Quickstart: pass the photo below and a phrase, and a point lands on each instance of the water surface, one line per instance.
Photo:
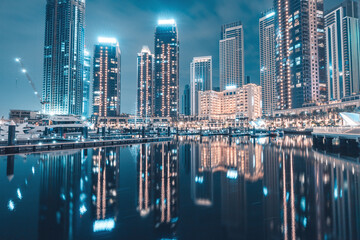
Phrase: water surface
(208, 188)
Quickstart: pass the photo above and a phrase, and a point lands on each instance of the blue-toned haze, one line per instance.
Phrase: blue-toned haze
(132, 22)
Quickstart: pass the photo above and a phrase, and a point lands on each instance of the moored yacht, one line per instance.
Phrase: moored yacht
(59, 124)
(53, 125)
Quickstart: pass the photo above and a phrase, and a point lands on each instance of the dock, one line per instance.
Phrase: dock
(338, 132)
(48, 147)
(337, 139)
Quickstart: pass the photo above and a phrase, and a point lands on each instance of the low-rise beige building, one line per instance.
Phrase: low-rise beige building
(244, 102)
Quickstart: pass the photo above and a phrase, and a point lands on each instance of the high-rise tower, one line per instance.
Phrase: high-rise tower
(267, 61)
(64, 57)
(166, 83)
(231, 56)
(145, 61)
(343, 50)
(106, 84)
(300, 53)
(87, 85)
(200, 80)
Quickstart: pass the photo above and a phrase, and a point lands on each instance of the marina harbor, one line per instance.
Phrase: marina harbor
(180, 119)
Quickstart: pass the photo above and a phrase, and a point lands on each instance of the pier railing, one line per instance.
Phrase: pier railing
(333, 129)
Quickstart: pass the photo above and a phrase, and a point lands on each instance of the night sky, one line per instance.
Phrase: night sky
(132, 22)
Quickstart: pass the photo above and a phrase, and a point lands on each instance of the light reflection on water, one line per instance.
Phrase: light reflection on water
(208, 188)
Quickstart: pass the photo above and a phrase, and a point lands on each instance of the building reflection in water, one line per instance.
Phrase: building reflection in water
(277, 188)
(202, 190)
(166, 168)
(10, 167)
(320, 193)
(105, 183)
(338, 191)
(59, 191)
(269, 189)
(78, 193)
(145, 172)
(240, 165)
(158, 170)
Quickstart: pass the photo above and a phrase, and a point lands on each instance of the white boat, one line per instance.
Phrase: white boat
(22, 132)
(54, 124)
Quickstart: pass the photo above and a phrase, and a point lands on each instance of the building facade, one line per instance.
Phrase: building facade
(87, 85)
(300, 53)
(267, 61)
(244, 103)
(107, 81)
(343, 50)
(145, 91)
(231, 55)
(186, 101)
(200, 80)
(166, 79)
(20, 116)
(64, 57)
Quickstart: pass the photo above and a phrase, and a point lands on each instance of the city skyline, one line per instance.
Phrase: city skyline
(200, 15)
(158, 119)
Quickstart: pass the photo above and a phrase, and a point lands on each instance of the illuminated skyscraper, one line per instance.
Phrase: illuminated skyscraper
(200, 80)
(343, 50)
(166, 102)
(107, 84)
(87, 85)
(267, 61)
(64, 57)
(232, 56)
(145, 61)
(300, 53)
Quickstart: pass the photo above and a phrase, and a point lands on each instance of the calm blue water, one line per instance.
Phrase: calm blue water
(211, 188)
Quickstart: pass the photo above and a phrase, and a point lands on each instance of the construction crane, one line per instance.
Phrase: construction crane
(42, 102)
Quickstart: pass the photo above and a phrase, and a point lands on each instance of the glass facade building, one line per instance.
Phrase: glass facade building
(145, 61)
(200, 80)
(107, 82)
(231, 47)
(343, 50)
(186, 101)
(300, 53)
(166, 83)
(87, 85)
(64, 57)
(267, 63)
